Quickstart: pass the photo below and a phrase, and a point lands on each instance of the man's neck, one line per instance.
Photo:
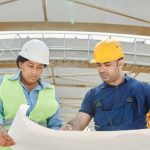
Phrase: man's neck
(118, 81)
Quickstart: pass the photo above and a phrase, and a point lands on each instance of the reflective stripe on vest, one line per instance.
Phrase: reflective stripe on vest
(8, 122)
(12, 96)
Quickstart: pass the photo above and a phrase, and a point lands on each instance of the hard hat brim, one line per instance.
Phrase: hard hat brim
(92, 61)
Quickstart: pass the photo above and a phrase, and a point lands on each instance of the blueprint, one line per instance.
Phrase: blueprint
(31, 136)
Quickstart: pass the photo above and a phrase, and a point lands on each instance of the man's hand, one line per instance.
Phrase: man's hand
(79, 123)
(5, 139)
(148, 119)
(67, 127)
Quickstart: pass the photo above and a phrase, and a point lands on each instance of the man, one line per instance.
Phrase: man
(26, 87)
(120, 102)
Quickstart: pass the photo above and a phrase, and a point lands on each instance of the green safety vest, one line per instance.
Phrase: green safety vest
(12, 96)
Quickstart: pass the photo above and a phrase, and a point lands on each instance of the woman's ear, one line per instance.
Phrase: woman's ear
(20, 65)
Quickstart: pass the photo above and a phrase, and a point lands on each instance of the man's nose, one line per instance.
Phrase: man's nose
(101, 69)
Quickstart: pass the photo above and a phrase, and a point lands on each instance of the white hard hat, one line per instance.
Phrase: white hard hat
(35, 50)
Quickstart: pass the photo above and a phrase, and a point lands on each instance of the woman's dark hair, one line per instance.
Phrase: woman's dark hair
(22, 60)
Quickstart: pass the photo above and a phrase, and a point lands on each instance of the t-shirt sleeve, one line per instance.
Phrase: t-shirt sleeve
(87, 104)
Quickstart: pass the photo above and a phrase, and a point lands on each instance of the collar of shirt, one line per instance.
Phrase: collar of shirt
(126, 80)
(42, 85)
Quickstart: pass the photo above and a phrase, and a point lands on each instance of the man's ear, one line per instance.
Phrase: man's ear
(120, 63)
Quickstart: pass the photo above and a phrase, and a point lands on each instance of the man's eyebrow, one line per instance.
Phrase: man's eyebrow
(106, 62)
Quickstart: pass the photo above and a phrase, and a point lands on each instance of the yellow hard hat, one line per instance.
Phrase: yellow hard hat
(107, 50)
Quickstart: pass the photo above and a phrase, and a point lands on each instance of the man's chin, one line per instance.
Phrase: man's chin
(105, 79)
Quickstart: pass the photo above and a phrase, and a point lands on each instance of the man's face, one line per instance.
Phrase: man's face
(109, 71)
(31, 71)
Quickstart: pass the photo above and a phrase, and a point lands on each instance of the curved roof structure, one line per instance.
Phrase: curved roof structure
(76, 15)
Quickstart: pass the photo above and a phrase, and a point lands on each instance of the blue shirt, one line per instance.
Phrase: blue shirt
(53, 122)
(119, 107)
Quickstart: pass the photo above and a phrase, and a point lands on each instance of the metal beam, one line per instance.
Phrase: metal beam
(81, 64)
(53, 74)
(66, 26)
(96, 6)
(6, 1)
(44, 2)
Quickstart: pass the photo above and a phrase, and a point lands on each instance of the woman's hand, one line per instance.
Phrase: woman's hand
(5, 139)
